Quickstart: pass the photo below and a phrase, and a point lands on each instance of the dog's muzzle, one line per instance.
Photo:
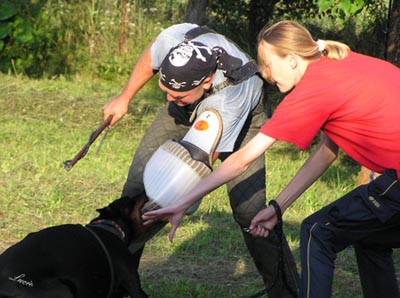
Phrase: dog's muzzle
(177, 166)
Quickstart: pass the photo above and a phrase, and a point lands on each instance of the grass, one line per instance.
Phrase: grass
(44, 122)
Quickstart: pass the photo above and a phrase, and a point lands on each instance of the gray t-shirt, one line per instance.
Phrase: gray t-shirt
(234, 102)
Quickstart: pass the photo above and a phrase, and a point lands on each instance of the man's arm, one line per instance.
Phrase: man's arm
(141, 74)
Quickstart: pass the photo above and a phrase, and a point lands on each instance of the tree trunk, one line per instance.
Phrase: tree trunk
(196, 12)
(393, 56)
(260, 13)
(393, 45)
(122, 28)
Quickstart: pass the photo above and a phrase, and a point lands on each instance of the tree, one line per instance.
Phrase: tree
(7, 11)
(393, 43)
(196, 12)
(259, 14)
(122, 27)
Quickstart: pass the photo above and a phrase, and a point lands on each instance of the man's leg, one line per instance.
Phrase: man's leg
(163, 128)
(247, 198)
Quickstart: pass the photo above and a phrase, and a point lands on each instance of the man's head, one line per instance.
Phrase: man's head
(186, 72)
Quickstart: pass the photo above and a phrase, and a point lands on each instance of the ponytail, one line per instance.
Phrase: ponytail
(290, 37)
(334, 49)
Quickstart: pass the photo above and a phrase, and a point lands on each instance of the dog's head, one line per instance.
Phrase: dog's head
(126, 212)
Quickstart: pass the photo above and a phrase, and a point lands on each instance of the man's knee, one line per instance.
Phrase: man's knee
(243, 213)
(132, 188)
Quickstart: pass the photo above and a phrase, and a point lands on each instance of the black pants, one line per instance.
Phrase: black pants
(367, 218)
(246, 193)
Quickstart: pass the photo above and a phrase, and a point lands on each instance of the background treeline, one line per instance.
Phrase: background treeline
(103, 38)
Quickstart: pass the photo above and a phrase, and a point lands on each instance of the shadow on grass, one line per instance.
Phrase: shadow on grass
(213, 263)
(216, 263)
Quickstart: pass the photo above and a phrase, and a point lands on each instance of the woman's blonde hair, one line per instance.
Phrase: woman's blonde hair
(290, 37)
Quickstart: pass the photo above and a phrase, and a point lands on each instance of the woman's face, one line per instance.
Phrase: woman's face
(277, 70)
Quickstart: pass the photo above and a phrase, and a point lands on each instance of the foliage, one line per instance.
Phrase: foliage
(7, 11)
(360, 23)
(26, 39)
(299, 10)
(65, 37)
(363, 30)
(343, 9)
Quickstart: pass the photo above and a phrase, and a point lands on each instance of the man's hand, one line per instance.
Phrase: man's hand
(170, 214)
(117, 107)
(263, 222)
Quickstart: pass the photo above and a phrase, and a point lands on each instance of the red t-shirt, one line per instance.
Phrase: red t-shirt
(354, 101)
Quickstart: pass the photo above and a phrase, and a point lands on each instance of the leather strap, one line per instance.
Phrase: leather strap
(110, 264)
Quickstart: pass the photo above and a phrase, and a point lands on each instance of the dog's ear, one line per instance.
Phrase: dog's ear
(118, 209)
(105, 212)
(113, 210)
(122, 203)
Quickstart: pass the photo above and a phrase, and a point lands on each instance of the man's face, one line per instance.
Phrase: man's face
(183, 98)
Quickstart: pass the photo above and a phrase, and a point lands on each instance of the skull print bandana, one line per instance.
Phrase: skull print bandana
(187, 65)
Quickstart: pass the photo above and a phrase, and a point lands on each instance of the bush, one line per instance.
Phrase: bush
(49, 38)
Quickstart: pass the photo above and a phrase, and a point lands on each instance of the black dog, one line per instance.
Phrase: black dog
(78, 261)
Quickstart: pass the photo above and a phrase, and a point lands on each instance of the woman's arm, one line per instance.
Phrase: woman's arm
(233, 166)
(317, 163)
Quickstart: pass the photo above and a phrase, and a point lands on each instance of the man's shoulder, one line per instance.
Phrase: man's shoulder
(181, 27)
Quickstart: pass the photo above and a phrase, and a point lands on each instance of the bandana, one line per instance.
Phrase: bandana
(187, 65)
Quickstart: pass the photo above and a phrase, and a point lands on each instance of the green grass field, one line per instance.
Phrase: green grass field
(46, 122)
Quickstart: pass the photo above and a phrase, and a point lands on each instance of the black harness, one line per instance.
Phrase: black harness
(110, 264)
(186, 115)
(232, 66)
(114, 228)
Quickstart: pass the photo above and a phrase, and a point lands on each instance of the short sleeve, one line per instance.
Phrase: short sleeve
(234, 103)
(167, 39)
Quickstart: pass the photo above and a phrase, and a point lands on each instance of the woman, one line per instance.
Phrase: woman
(355, 101)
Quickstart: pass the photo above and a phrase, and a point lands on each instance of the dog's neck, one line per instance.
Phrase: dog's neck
(111, 226)
(126, 214)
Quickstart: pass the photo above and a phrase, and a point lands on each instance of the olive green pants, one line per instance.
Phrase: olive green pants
(246, 193)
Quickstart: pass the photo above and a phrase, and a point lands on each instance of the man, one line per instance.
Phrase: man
(200, 69)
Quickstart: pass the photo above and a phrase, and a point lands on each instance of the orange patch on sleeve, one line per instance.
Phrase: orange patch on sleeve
(201, 125)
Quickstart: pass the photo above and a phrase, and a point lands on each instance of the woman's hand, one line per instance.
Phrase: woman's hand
(263, 222)
(170, 214)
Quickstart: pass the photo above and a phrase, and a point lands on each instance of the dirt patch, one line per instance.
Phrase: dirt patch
(211, 270)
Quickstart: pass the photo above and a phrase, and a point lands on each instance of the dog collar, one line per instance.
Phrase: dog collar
(111, 226)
